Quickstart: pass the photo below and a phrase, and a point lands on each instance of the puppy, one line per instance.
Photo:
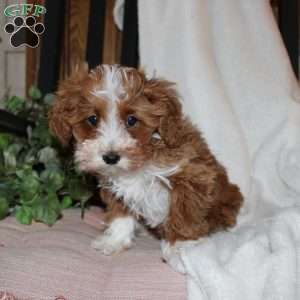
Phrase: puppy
(153, 165)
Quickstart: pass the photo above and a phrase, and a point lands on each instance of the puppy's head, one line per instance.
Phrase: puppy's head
(114, 115)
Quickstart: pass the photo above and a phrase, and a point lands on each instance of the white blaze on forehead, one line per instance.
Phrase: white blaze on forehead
(111, 84)
(114, 136)
(112, 130)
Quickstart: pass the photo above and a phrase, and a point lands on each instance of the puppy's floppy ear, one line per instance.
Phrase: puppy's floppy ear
(66, 104)
(163, 95)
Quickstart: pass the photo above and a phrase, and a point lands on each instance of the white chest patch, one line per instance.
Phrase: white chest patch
(144, 193)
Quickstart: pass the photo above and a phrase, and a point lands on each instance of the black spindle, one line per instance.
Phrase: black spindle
(129, 55)
(288, 11)
(95, 38)
(51, 46)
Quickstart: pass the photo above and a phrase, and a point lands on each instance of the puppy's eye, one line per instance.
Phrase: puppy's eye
(92, 120)
(131, 121)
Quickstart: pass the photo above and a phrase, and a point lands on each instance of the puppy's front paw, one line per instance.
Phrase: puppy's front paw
(117, 237)
(109, 244)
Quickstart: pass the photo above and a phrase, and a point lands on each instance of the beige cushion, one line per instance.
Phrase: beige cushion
(38, 262)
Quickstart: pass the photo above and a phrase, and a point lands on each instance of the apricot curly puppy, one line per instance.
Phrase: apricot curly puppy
(152, 163)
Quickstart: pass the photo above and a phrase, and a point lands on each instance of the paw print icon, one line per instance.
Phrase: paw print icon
(24, 32)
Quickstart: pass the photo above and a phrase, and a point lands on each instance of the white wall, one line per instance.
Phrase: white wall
(12, 60)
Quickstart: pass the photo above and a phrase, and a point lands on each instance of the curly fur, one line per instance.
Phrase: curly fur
(195, 200)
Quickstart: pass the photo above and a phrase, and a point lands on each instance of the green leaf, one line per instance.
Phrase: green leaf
(53, 179)
(35, 93)
(47, 155)
(24, 215)
(26, 171)
(66, 202)
(41, 133)
(10, 159)
(28, 184)
(28, 198)
(4, 208)
(49, 99)
(8, 189)
(78, 191)
(15, 104)
(15, 148)
(10, 155)
(4, 141)
(47, 210)
(30, 157)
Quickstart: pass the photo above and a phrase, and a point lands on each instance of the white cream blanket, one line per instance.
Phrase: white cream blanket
(237, 85)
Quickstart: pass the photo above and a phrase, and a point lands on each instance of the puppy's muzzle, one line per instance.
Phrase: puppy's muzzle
(111, 158)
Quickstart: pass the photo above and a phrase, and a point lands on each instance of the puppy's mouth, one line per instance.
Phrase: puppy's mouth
(123, 167)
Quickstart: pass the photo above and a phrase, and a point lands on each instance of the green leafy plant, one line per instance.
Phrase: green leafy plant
(37, 179)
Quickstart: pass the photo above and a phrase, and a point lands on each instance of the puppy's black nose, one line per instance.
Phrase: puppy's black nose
(111, 158)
